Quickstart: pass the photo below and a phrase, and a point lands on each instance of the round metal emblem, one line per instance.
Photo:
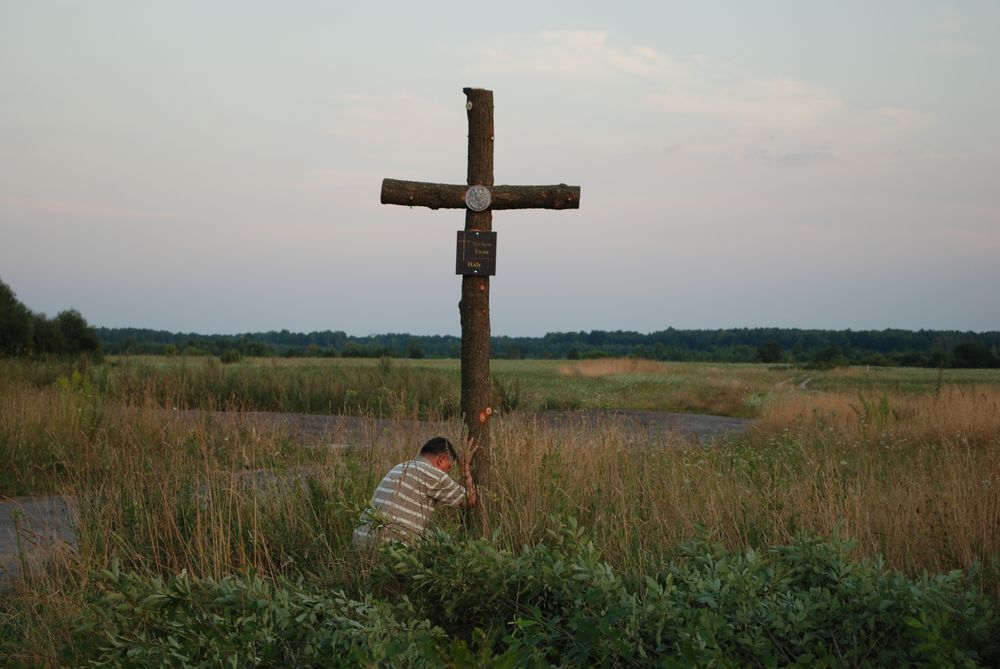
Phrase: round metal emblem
(477, 198)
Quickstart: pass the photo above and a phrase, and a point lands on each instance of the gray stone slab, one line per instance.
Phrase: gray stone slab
(31, 528)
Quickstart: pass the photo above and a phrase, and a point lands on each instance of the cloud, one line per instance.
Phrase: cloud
(386, 118)
(949, 35)
(80, 210)
(413, 136)
(696, 85)
(570, 53)
(805, 155)
(778, 103)
(801, 123)
(898, 119)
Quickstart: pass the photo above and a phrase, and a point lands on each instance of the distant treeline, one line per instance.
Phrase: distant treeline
(25, 333)
(825, 348)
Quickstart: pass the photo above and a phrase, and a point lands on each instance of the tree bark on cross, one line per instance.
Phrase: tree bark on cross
(475, 305)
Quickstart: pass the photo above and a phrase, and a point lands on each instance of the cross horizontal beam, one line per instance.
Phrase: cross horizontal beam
(451, 196)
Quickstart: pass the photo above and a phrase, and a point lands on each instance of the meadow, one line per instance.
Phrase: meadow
(857, 523)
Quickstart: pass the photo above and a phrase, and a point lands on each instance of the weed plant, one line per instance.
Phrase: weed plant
(385, 389)
(426, 389)
(463, 602)
(911, 479)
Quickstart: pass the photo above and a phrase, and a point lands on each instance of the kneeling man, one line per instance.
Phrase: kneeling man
(405, 499)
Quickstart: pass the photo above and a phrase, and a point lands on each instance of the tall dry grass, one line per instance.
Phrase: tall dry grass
(321, 387)
(954, 413)
(608, 366)
(932, 505)
(625, 383)
(915, 478)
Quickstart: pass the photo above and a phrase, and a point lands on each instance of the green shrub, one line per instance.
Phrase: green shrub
(77, 334)
(246, 622)
(24, 333)
(805, 604)
(468, 603)
(16, 324)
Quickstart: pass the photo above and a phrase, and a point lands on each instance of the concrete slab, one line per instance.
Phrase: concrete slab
(31, 528)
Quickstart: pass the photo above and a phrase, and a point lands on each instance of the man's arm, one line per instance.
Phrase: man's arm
(445, 490)
(465, 464)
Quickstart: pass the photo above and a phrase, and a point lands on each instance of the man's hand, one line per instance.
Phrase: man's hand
(465, 464)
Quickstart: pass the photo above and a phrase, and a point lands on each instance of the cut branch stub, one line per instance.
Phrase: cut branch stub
(452, 196)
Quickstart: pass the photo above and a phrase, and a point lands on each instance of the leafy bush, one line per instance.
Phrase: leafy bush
(246, 622)
(804, 604)
(468, 603)
(16, 324)
(769, 351)
(25, 333)
(973, 354)
(77, 334)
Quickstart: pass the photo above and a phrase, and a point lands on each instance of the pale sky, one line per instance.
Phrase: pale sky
(215, 166)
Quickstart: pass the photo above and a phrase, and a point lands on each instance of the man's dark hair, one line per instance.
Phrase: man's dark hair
(439, 446)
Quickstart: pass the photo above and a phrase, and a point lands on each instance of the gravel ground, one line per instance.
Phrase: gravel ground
(644, 426)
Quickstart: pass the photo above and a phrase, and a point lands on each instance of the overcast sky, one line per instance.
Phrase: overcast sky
(215, 166)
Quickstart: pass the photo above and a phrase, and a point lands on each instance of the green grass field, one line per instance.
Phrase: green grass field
(656, 552)
(430, 388)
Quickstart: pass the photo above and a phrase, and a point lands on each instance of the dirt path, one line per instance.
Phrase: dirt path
(803, 385)
(33, 527)
(655, 426)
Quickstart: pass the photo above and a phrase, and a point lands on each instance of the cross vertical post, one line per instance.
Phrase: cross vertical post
(474, 308)
(479, 197)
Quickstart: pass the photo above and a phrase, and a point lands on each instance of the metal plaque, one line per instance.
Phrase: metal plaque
(478, 198)
(477, 253)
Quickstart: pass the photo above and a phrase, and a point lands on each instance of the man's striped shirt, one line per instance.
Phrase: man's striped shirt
(404, 501)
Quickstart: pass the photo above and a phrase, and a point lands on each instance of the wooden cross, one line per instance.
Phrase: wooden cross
(475, 305)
